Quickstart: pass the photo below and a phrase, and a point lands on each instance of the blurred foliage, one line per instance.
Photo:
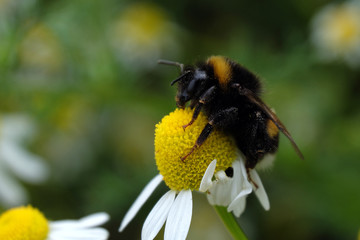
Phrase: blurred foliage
(86, 72)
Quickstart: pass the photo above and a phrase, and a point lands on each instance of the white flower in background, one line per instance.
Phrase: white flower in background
(84, 228)
(224, 180)
(142, 34)
(16, 162)
(335, 32)
(40, 57)
(29, 223)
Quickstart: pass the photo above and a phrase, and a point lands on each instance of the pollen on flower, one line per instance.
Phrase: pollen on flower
(173, 142)
(23, 223)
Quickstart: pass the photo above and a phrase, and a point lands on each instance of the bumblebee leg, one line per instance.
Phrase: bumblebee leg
(258, 142)
(194, 116)
(204, 98)
(219, 120)
(225, 118)
(250, 179)
(208, 95)
(200, 140)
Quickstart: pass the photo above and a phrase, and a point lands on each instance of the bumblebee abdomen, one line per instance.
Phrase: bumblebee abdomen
(271, 129)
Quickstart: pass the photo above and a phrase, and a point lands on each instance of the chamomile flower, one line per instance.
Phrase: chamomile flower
(40, 57)
(231, 187)
(224, 179)
(16, 161)
(141, 34)
(29, 223)
(336, 32)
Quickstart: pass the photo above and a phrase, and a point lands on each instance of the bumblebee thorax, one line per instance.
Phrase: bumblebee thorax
(222, 69)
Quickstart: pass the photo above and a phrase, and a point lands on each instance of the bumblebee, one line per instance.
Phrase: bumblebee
(229, 95)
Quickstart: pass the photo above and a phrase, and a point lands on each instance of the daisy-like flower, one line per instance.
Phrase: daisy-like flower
(16, 161)
(40, 57)
(29, 223)
(336, 32)
(141, 34)
(224, 180)
(230, 188)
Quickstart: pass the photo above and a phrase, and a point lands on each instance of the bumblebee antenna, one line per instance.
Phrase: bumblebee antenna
(177, 64)
(179, 78)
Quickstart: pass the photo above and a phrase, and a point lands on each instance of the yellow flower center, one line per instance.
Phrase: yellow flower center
(172, 143)
(143, 23)
(344, 27)
(23, 223)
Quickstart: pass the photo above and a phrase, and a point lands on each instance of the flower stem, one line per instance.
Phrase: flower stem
(231, 223)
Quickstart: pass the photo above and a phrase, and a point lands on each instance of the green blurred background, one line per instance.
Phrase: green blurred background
(86, 72)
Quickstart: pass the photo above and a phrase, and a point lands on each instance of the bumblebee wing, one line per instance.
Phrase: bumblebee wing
(255, 99)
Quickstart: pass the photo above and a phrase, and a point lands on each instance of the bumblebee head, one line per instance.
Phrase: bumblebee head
(184, 94)
(188, 82)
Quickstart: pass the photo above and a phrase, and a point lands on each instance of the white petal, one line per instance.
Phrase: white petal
(211, 199)
(95, 219)
(11, 192)
(246, 189)
(179, 219)
(239, 198)
(92, 220)
(244, 175)
(206, 181)
(64, 224)
(140, 200)
(17, 127)
(237, 180)
(156, 218)
(260, 191)
(239, 208)
(220, 192)
(83, 234)
(25, 165)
